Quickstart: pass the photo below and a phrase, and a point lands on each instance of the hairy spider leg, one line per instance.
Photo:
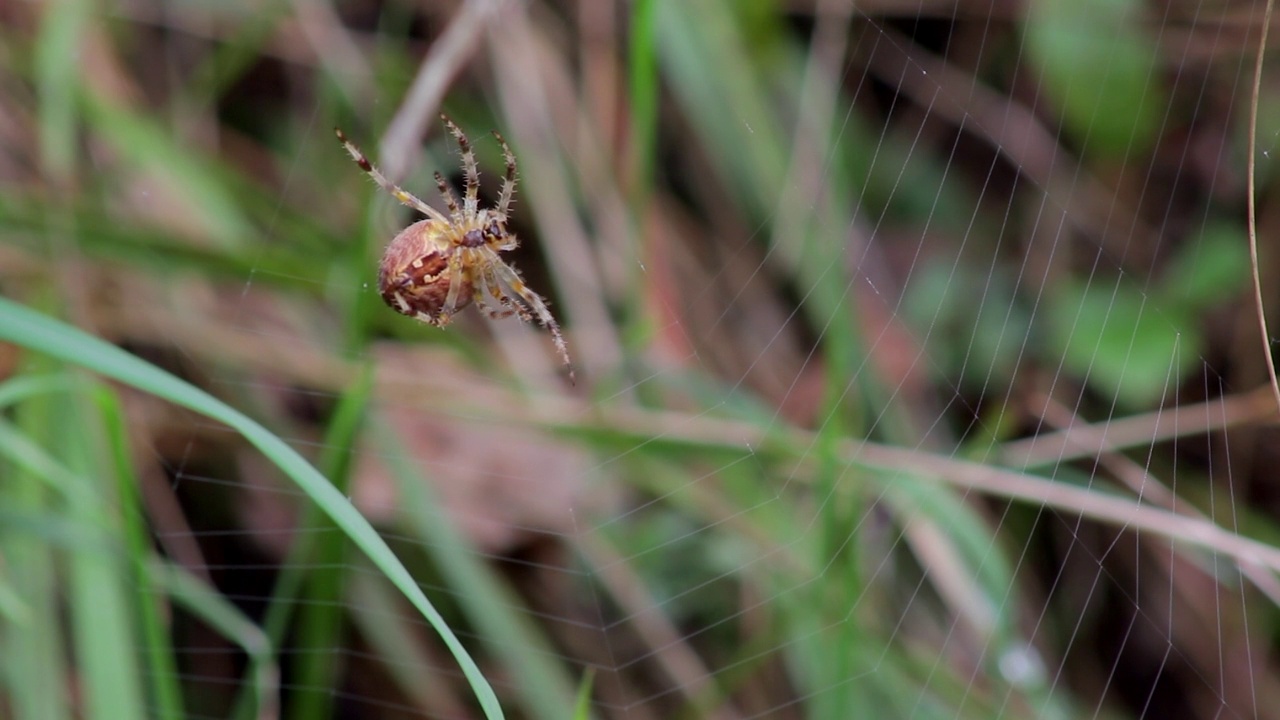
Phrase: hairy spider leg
(504, 303)
(505, 293)
(495, 303)
(456, 272)
(450, 199)
(508, 180)
(394, 190)
(471, 172)
(545, 318)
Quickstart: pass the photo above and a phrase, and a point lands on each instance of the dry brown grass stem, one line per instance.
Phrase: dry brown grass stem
(1127, 513)
(1088, 441)
(540, 100)
(447, 56)
(1123, 512)
(335, 49)
(1147, 486)
(1252, 199)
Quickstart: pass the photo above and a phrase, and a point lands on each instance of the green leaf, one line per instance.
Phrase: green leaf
(1210, 270)
(1115, 336)
(1100, 69)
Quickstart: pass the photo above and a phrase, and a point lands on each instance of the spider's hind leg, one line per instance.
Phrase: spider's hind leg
(450, 200)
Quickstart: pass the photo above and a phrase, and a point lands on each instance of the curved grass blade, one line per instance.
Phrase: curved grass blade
(40, 333)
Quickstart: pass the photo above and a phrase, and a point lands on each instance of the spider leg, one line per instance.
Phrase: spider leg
(521, 309)
(469, 168)
(488, 283)
(394, 190)
(505, 306)
(544, 317)
(497, 289)
(457, 268)
(509, 180)
(493, 312)
(450, 199)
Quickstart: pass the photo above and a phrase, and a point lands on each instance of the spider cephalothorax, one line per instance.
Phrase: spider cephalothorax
(436, 267)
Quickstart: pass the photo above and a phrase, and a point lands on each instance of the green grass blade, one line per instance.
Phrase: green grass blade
(582, 710)
(489, 604)
(320, 618)
(165, 700)
(212, 608)
(40, 333)
(61, 37)
(643, 65)
(35, 666)
(97, 596)
(197, 182)
(25, 387)
(100, 597)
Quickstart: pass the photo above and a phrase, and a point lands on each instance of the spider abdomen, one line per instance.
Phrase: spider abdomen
(414, 276)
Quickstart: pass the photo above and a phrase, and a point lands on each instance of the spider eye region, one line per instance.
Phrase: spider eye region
(414, 277)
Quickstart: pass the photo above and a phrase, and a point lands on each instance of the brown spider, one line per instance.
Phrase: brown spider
(436, 267)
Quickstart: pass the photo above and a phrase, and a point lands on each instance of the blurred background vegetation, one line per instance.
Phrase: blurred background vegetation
(918, 374)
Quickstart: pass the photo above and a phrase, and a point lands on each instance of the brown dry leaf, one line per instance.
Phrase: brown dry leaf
(501, 484)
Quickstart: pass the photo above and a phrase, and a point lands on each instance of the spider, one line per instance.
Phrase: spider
(436, 267)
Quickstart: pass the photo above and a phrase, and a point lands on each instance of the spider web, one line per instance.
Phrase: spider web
(908, 341)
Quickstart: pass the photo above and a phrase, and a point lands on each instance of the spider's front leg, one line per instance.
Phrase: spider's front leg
(470, 170)
(456, 275)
